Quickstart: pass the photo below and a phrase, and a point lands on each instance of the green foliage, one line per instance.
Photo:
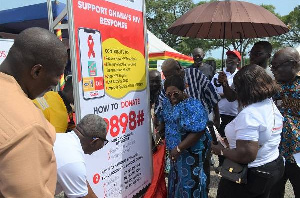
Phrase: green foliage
(292, 38)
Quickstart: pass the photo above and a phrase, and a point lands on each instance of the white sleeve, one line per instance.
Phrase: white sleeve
(72, 179)
(247, 127)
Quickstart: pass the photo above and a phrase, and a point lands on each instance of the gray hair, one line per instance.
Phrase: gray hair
(93, 126)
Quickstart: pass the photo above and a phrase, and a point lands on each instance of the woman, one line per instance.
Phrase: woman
(186, 139)
(253, 136)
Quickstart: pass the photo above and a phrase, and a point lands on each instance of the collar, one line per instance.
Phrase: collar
(228, 73)
(10, 79)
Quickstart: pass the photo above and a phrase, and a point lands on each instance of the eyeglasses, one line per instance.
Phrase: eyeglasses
(174, 94)
(105, 141)
(81, 131)
(281, 65)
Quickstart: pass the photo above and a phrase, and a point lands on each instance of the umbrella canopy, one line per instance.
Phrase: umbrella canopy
(239, 20)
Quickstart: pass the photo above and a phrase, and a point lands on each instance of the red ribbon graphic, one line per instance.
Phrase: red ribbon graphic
(90, 42)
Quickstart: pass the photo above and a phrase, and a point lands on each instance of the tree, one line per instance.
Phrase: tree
(160, 14)
(292, 38)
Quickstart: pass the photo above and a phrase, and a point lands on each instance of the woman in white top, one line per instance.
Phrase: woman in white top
(253, 136)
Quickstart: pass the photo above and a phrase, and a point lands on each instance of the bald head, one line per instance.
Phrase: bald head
(198, 56)
(170, 67)
(36, 60)
(198, 51)
(37, 46)
(153, 73)
(286, 64)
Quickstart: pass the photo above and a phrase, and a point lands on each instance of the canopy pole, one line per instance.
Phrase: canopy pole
(50, 15)
(222, 62)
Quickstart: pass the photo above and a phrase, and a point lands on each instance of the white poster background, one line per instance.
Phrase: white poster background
(5, 45)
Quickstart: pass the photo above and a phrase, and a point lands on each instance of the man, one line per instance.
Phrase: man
(259, 55)
(158, 186)
(197, 86)
(206, 69)
(69, 148)
(228, 110)
(56, 107)
(32, 67)
(155, 85)
(285, 66)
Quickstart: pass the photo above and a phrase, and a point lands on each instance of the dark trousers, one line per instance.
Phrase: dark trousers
(291, 172)
(225, 119)
(259, 182)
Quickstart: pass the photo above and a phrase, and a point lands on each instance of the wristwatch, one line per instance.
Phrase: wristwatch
(178, 149)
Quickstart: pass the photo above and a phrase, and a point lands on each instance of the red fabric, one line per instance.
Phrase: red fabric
(158, 188)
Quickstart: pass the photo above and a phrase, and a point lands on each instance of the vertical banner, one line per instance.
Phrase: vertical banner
(5, 45)
(107, 41)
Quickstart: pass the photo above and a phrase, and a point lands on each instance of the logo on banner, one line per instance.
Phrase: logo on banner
(91, 46)
(92, 68)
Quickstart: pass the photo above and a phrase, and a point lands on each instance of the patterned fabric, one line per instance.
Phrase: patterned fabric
(186, 176)
(197, 86)
(288, 102)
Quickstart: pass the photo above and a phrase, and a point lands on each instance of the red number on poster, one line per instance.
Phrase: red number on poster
(115, 123)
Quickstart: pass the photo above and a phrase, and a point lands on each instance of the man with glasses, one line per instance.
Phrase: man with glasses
(69, 148)
(285, 66)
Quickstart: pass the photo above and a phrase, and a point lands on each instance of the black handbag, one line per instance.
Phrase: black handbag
(234, 172)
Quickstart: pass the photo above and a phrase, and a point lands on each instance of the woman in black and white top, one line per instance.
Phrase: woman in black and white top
(253, 136)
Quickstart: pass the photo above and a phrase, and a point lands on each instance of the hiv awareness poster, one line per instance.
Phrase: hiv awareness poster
(108, 39)
(5, 45)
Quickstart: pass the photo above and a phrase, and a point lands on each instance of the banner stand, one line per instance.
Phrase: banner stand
(110, 78)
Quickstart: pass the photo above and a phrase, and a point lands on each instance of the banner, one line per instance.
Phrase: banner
(109, 41)
(5, 45)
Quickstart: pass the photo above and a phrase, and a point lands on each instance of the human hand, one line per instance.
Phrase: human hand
(216, 148)
(174, 154)
(222, 78)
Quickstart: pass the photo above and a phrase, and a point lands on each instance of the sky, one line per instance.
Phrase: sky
(283, 7)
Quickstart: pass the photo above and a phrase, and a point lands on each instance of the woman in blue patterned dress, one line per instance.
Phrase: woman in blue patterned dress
(187, 140)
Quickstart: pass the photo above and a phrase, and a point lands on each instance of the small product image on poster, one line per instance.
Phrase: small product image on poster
(90, 48)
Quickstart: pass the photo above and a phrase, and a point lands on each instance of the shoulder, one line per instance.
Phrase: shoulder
(18, 114)
(190, 104)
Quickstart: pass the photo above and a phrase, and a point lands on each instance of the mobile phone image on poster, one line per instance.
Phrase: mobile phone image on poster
(90, 48)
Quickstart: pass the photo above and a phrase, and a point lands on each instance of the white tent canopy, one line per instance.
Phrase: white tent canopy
(157, 45)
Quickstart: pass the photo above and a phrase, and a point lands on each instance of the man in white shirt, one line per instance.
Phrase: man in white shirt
(69, 148)
(228, 110)
(259, 55)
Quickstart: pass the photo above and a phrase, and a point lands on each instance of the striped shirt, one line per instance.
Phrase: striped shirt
(197, 86)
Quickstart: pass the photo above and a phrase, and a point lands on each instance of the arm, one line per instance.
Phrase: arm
(244, 153)
(189, 141)
(217, 116)
(28, 167)
(229, 94)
